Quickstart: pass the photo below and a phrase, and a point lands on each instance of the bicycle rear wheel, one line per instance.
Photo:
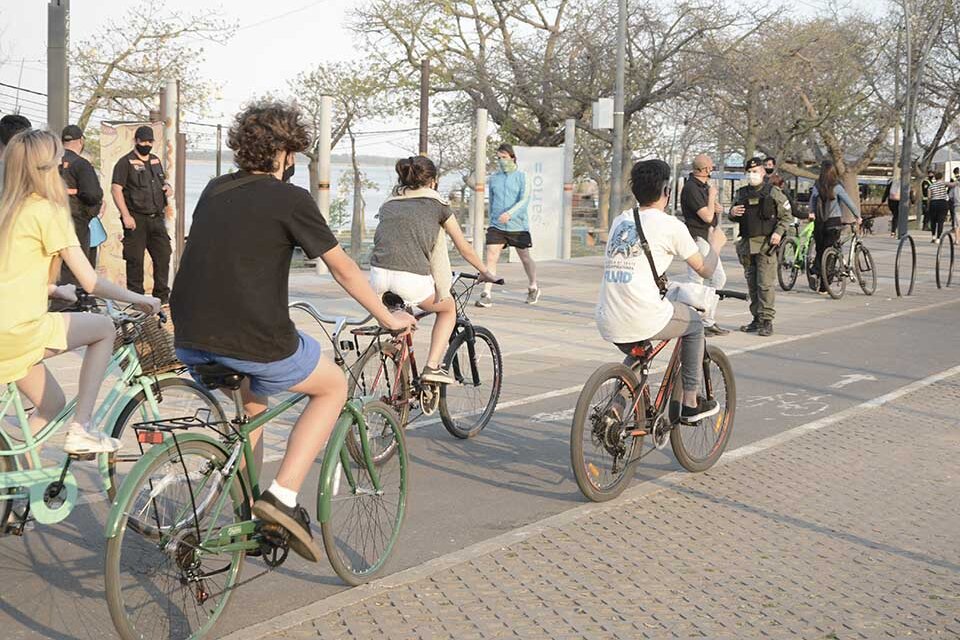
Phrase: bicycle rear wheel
(698, 447)
(159, 584)
(787, 264)
(365, 522)
(865, 270)
(467, 404)
(601, 447)
(378, 375)
(831, 270)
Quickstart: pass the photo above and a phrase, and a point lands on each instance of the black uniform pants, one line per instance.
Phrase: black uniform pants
(82, 228)
(151, 236)
(825, 235)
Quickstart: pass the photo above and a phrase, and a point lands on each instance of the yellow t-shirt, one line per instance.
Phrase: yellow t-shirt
(40, 231)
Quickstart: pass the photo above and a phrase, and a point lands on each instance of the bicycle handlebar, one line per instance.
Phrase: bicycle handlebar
(727, 293)
(474, 276)
(319, 317)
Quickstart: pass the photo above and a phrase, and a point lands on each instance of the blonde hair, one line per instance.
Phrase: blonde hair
(31, 166)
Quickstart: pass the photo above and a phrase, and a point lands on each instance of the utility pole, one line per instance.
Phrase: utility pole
(323, 167)
(424, 103)
(569, 137)
(616, 178)
(58, 74)
(480, 179)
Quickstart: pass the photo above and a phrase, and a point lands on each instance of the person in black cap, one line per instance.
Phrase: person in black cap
(140, 191)
(84, 191)
(764, 214)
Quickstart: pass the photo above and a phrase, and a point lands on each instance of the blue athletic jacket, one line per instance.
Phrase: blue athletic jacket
(509, 193)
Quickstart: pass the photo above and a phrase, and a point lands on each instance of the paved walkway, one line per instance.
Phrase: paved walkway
(844, 528)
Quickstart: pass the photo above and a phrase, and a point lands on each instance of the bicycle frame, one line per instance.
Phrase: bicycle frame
(804, 239)
(661, 404)
(35, 477)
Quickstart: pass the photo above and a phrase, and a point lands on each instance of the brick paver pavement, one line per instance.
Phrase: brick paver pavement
(851, 531)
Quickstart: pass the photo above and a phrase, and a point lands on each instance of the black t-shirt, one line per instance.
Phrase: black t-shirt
(230, 293)
(142, 183)
(694, 196)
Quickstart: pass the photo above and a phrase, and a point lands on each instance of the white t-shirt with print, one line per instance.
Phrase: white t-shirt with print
(630, 308)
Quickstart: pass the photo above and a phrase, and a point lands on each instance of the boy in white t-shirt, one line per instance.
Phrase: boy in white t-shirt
(631, 309)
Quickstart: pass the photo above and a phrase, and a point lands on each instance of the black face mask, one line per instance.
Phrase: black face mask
(288, 173)
(143, 149)
(769, 170)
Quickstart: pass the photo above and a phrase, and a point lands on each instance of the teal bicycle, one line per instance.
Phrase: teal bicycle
(181, 526)
(795, 255)
(35, 489)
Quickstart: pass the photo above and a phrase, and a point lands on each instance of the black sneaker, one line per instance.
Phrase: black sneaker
(295, 520)
(704, 409)
(715, 330)
(438, 375)
(753, 327)
(766, 328)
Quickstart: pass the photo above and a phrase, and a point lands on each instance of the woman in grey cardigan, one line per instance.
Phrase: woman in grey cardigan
(825, 200)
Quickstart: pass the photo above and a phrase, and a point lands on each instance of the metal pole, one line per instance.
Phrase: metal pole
(569, 137)
(616, 188)
(323, 166)
(180, 194)
(906, 151)
(58, 74)
(480, 179)
(219, 149)
(424, 103)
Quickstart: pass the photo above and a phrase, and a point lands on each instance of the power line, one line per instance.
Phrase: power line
(282, 15)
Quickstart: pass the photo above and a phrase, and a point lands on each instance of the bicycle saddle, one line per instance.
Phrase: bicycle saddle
(217, 376)
(640, 349)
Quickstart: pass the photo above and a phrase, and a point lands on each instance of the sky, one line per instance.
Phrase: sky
(275, 41)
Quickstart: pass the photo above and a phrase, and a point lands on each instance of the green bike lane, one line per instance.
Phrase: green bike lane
(827, 356)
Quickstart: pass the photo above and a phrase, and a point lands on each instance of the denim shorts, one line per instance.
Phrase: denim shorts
(266, 378)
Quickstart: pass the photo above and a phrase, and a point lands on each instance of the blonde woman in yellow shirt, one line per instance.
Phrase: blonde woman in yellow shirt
(36, 233)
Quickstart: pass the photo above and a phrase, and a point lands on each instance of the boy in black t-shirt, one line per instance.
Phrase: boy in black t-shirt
(229, 301)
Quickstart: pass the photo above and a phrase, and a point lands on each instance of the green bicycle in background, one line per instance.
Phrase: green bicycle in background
(147, 387)
(181, 525)
(794, 255)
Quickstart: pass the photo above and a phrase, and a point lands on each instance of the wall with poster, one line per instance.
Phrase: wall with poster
(544, 167)
(116, 140)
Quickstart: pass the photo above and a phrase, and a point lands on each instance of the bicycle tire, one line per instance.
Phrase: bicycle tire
(809, 268)
(831, 270)
(458, 423)
(946, 240)
(866, 277)
(682, 436)
(607, 433)
(786, 264)
(166, 386)
(396, 394)
(120, 584)
(354, 565)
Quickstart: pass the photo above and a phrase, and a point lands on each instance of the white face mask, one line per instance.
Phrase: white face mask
(754, 179)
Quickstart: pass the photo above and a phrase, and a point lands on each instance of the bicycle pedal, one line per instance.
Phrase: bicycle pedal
(637, 433)
(82, 457)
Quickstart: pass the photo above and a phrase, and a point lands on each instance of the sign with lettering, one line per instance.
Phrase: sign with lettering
(544, 169)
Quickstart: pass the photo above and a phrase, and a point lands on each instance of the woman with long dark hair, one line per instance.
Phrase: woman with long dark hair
(825, 200)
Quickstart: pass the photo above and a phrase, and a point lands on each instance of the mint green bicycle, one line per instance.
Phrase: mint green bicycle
(181, 526)
(794, 255)
(146, 388)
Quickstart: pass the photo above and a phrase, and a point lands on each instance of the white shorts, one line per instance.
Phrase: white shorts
(412, 287)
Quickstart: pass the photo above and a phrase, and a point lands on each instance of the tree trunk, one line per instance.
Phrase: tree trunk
(313, 168)
(603, 205)
(849, 182)
(356, 224)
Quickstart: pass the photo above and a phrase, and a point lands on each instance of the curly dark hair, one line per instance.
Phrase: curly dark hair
(262, 129)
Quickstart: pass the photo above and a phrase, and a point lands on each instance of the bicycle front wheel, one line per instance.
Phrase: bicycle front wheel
(364, 520)
(787, 264)
(698, 447)
(175, 398)
(865, 270)
(381, 374)
(468, 403)
(831, 270)
(159, 582)
(602, 447)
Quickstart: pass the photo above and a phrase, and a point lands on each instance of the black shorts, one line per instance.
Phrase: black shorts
(516, 239)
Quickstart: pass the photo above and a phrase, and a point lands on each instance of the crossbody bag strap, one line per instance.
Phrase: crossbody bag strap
(239, 182)
(661, 280)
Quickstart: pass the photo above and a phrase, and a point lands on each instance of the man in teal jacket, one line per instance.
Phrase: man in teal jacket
(509, 190)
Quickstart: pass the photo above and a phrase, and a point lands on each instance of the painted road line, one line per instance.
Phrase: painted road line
(356, 595)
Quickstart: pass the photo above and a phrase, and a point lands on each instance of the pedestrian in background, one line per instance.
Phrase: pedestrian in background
(925, 199)
(10, 125)
(825, 199)
(769, 166)
(939, 193)
(763, 213)
(83, 191)
(140, 191)
(700, 205)
(954, 197)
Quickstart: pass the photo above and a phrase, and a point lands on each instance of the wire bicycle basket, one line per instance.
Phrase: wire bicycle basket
(153, 341)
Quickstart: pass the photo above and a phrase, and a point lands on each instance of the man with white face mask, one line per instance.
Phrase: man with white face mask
(763, 212)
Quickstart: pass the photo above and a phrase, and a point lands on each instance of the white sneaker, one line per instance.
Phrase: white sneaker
(80, 441)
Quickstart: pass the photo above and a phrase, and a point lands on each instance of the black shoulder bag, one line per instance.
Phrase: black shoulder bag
(660, 279)
(238, 182)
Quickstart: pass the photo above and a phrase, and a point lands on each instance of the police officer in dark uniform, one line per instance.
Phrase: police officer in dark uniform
(140, 191)
(84, 191)
(764, 214)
